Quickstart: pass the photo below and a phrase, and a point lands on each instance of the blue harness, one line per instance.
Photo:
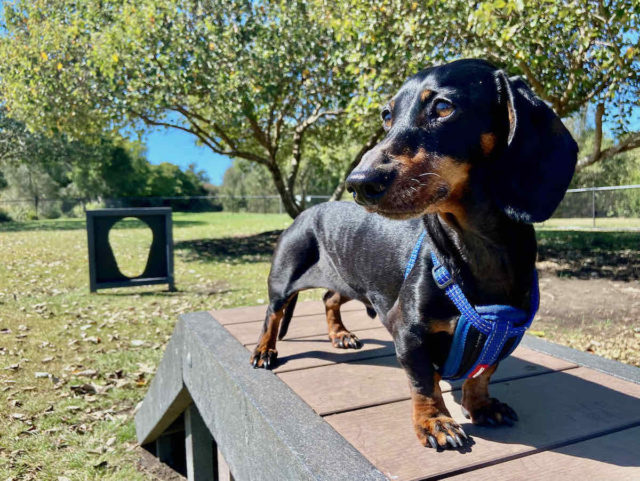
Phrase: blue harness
(484, 334)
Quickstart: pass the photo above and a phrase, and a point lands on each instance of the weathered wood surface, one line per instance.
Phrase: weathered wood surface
(574, 421)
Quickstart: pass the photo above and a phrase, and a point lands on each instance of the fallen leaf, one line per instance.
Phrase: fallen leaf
(84, 388)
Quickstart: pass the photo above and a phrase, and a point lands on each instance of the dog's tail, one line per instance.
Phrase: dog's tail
(288, 314)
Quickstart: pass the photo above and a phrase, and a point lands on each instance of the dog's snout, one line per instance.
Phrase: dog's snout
(368, 186)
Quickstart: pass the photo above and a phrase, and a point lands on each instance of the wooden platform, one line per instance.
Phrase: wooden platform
(575, 421)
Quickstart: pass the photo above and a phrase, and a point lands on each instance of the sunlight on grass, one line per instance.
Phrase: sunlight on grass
(131, 249)
(75, 364)
(601, 223)
(109, 342)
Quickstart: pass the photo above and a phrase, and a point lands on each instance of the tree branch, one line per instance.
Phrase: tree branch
(204, 138)
(630, 143)
(297, 142)
(539, 88)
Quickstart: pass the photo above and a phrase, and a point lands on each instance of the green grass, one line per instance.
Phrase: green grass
(46, 428)
(113, 340)
(602, 223)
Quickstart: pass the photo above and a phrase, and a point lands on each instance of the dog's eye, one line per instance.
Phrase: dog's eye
(443, 108)
(386, 118)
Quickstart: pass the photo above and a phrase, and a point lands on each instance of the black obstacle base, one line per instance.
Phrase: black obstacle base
(103, 268)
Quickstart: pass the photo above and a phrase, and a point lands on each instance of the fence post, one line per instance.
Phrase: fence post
(280, 204)
(593, 206)
(35, 204)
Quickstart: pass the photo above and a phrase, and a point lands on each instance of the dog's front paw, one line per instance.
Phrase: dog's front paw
(265, 358)
(440, 432)
(491, 413)
(345, 340)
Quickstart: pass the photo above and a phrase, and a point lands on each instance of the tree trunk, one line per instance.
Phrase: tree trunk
(288, 200)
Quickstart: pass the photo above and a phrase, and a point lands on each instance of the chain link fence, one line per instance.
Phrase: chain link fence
(600, 207)
(616, 207)
(42, 208)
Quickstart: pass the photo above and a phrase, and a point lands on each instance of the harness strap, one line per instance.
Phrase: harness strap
(414, 254)
(484, 334)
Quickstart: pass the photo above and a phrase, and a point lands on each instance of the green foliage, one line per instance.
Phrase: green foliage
(622, 169)
(281, 83)
(243, 179)
(4, 217)
(35, 166)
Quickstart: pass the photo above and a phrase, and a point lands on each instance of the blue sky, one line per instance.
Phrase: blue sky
(177, 147)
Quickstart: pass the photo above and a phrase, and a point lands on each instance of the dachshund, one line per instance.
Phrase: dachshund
(472, 157)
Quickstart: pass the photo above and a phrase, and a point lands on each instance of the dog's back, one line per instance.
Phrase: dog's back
(360, 254)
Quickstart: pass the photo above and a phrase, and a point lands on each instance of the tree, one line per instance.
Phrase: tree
(33, 165)
(265, 81)
(248, 79)
(573, 54)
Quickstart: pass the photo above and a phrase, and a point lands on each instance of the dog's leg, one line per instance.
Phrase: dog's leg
(265, 354)
(432, 421)
(482, 409)
(338, 333)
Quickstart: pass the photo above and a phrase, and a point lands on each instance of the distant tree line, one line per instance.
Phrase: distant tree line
(47, 168)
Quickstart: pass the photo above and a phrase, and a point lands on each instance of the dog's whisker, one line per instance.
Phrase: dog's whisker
(429, 173)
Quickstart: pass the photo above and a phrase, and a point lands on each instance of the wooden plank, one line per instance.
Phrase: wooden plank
(295, 354)
(257, 313)
(358, 384)
(613, 457)
(304, 326)
(554, 408)
(199, 446)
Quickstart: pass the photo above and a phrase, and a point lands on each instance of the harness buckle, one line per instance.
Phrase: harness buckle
(436, 277)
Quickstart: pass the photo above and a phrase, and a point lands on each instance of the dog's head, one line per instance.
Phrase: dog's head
(459, 123)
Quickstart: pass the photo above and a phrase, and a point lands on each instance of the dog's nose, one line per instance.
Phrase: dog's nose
(368, 186)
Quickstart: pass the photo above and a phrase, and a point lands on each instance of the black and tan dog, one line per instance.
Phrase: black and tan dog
(473, 157)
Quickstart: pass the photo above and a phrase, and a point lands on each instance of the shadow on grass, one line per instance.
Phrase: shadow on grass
(253, 248)
(79, 224)
(589, 255)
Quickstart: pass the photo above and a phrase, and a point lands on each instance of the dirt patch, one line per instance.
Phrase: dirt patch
(591, 255)
(601, 316)
(155, 470)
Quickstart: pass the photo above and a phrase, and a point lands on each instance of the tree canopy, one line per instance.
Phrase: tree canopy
(282, 83)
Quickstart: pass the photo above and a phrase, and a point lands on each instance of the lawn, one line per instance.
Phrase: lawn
(74, 365)
(602, 223)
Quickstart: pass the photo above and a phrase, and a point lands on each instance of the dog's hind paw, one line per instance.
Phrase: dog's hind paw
(264, 358)
(345, 340)
(441, 432)
(491, 413)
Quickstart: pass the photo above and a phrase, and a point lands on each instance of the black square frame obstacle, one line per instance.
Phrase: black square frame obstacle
(103, 268)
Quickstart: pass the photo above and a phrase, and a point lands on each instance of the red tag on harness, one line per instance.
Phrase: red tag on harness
(480, 368)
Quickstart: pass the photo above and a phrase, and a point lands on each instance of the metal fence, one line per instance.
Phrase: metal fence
(43, 208)
(612, 206)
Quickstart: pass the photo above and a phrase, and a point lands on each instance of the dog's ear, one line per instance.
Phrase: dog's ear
(530, 175)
